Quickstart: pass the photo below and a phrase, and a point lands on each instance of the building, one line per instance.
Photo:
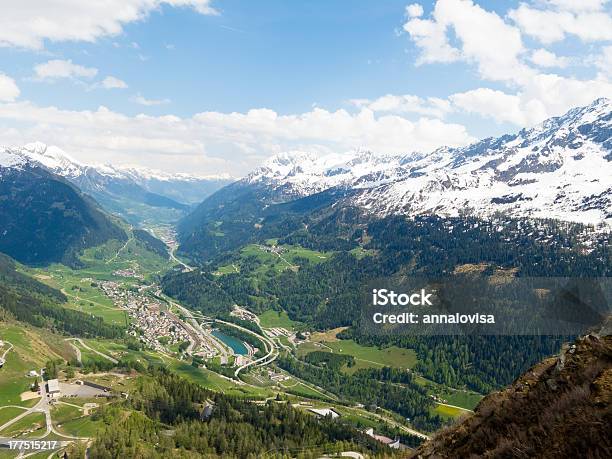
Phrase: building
(53, 387)
(395, 444)
(207, 411)
(322, 412)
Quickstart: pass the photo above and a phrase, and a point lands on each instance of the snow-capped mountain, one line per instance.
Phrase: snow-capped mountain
(61, 163)
(126, 190)
(559, 169)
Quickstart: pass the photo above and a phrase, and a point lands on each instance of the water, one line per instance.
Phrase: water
(237, 346)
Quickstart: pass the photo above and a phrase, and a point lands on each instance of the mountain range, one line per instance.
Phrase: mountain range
(558, 169)
(136, 194)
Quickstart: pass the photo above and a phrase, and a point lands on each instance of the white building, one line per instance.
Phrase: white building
(324, 412)
(53, 387)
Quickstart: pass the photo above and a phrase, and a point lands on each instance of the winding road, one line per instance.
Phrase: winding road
(270, 347)
(101, 354)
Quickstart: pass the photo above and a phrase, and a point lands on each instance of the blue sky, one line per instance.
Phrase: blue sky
(217, 86)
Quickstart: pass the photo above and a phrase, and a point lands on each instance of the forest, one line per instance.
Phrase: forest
(164, 419)
(330, 294)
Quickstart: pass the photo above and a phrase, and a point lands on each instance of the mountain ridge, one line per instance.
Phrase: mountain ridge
(135, 193)
(46, 219)
(557, 169)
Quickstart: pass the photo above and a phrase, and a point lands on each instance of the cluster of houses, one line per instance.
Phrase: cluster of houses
(274, 249)
(435, 398)
(149, 321)
(277, 377)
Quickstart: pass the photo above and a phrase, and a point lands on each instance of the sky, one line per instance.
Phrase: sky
(217, 86)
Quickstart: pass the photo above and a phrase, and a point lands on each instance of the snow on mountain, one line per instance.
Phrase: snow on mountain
(119, 188)
(60, 163)
(559, 169)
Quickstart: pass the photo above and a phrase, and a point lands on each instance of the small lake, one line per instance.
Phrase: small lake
(237, 346)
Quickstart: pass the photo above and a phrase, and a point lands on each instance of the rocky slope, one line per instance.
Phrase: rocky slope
(560, 408)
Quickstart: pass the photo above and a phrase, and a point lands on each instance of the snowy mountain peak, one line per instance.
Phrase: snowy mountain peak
(559, 169)
(61, 163)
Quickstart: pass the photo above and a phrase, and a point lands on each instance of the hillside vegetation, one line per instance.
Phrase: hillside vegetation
(558, 408)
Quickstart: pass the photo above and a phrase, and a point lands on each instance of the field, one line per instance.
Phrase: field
(462, 398)
(283, 257)
(102, 263)
(32, 421)
(276, 319)
(360, 252)
(448, 412)
(70, 419)
(9, 412)
(81, 427)
(365, 356)
(30, 352)
(215, 382)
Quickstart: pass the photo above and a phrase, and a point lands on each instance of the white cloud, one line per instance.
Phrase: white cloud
(546, 95)
(579, 5)
(603, 61)
(544, 58)
(493, 104)
(9, 90)
(461, 30)
(28, 23)
(432, 106)
(58, 68)
(430, 37)
(139, 99)
(213, 142)
(483, 38)
(110, 82)
(587, 20)
(414, 10)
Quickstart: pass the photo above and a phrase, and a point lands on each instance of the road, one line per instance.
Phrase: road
(186, 267)
(42, 406)
(195, 327)
(110, 260)
(101, 354)
(270, 347)
(3, 358)
(172, 250)
(6, 351)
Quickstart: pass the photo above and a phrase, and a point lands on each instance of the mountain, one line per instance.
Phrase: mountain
(558, 408)
(559, 169)
(137, 194)
(27, 300)
(44, 217)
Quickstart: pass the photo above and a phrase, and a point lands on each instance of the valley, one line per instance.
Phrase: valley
(236, 326)
(118, 284)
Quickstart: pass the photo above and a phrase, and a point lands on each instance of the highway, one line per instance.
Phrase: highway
(270, 347)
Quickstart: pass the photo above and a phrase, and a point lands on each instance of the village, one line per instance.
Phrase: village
(151, 323)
